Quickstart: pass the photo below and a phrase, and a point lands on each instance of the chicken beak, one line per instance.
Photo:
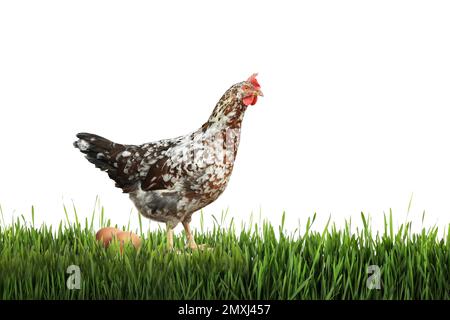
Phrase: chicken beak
(259, 93)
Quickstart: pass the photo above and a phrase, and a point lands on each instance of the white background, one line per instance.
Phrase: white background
(355, 114)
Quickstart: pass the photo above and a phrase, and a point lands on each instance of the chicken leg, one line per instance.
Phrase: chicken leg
(169, 236)
(190, 238)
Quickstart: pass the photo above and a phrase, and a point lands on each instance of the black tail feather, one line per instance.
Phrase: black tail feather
(98, 150)
(108, 156)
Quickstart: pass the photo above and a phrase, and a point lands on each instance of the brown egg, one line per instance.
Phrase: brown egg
(106, 235)
(127, 236)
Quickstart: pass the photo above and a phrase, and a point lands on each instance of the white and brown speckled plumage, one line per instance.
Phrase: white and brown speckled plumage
(168, 180)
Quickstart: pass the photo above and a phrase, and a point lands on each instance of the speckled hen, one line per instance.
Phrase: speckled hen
(169, 180)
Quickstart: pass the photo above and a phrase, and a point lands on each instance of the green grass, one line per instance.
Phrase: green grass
(260, 262)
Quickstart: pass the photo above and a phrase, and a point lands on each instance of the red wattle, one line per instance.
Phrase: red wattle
(250, 100)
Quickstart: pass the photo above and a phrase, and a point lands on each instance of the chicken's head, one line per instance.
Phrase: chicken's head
(251, 90)
(230, 109)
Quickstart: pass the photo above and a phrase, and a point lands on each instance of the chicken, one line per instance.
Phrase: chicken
(169, 180)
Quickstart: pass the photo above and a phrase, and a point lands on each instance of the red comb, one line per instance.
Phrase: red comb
(253, 81)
